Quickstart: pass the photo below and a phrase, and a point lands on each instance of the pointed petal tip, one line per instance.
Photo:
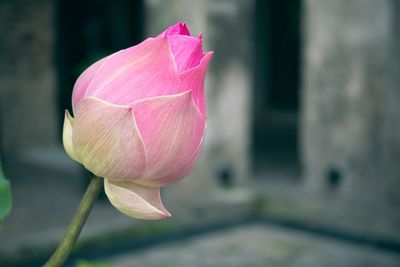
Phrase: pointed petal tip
(67, 136)
(166, 215)
(205, 60)
(137, 201)
(208, 55)
(181, 24)
(183, 29)
(179, 28)
(186, 95)
(67, 114)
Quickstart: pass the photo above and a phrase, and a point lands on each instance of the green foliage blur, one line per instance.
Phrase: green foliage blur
(5, 196)
(83, 263)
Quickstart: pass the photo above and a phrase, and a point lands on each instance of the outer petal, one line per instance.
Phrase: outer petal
(142, 71)
(172, 129)
(106, 140)
(134, 200)
(194, 79)
(84, 80)
(175, 176)
(67, 136)
(178, 28)
(187, 51)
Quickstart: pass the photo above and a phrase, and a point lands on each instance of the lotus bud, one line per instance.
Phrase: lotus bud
(139, 119)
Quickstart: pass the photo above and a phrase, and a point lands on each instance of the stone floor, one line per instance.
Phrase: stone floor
(256, 245)
(46, 191)
(46, 197)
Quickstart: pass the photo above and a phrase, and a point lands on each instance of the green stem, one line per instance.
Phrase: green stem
(64, 248)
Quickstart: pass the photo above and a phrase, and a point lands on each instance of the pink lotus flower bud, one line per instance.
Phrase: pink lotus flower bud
(140, 119)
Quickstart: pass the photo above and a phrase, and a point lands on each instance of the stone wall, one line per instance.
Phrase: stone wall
(350, 106)
(27, 112)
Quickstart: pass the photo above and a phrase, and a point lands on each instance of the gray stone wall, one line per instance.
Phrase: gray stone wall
(27, 113)
(350, 105)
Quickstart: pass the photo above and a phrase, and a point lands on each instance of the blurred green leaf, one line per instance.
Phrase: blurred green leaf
(83, 263)
(5, 196)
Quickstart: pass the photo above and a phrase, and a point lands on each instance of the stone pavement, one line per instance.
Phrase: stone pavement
(256, 245)
(46, 191)
(45, 199)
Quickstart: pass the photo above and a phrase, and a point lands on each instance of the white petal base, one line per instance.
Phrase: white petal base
(135, 200)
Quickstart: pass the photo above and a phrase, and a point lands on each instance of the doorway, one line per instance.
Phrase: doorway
(85, 34)
(277, 84)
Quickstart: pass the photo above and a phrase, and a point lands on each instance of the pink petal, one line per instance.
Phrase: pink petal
(172, 129)
(141, 71)
(175, 176)
(106, 140)
(83, 81)
(134, 200)
(194, 80)
(187, 51)
(178, 28)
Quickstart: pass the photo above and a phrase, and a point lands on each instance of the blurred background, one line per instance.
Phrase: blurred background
(301, 163)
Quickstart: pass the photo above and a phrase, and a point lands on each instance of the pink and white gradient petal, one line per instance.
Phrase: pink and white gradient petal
(142, 71)
(175, 176)
(187, 51)
(106, 140)
(84, 80)
(172, 128)
(194, 79)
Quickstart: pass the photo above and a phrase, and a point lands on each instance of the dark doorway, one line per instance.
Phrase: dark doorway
(87, 31)
(277, 88)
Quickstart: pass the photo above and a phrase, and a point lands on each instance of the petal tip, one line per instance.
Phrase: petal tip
(179, 28)
(183, 29)
(166, 215)
(137, 201)
(206, 59)
(208, 55)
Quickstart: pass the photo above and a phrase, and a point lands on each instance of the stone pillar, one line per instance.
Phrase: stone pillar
(350, 106)
(227, 29)
(27, 113)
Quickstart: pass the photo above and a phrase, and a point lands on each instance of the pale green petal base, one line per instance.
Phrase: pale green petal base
(67, 136)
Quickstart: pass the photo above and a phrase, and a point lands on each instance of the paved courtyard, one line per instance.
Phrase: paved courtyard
(54, 195)
(257, 245)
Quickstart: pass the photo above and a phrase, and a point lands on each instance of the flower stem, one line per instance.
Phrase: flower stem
(64, 248)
